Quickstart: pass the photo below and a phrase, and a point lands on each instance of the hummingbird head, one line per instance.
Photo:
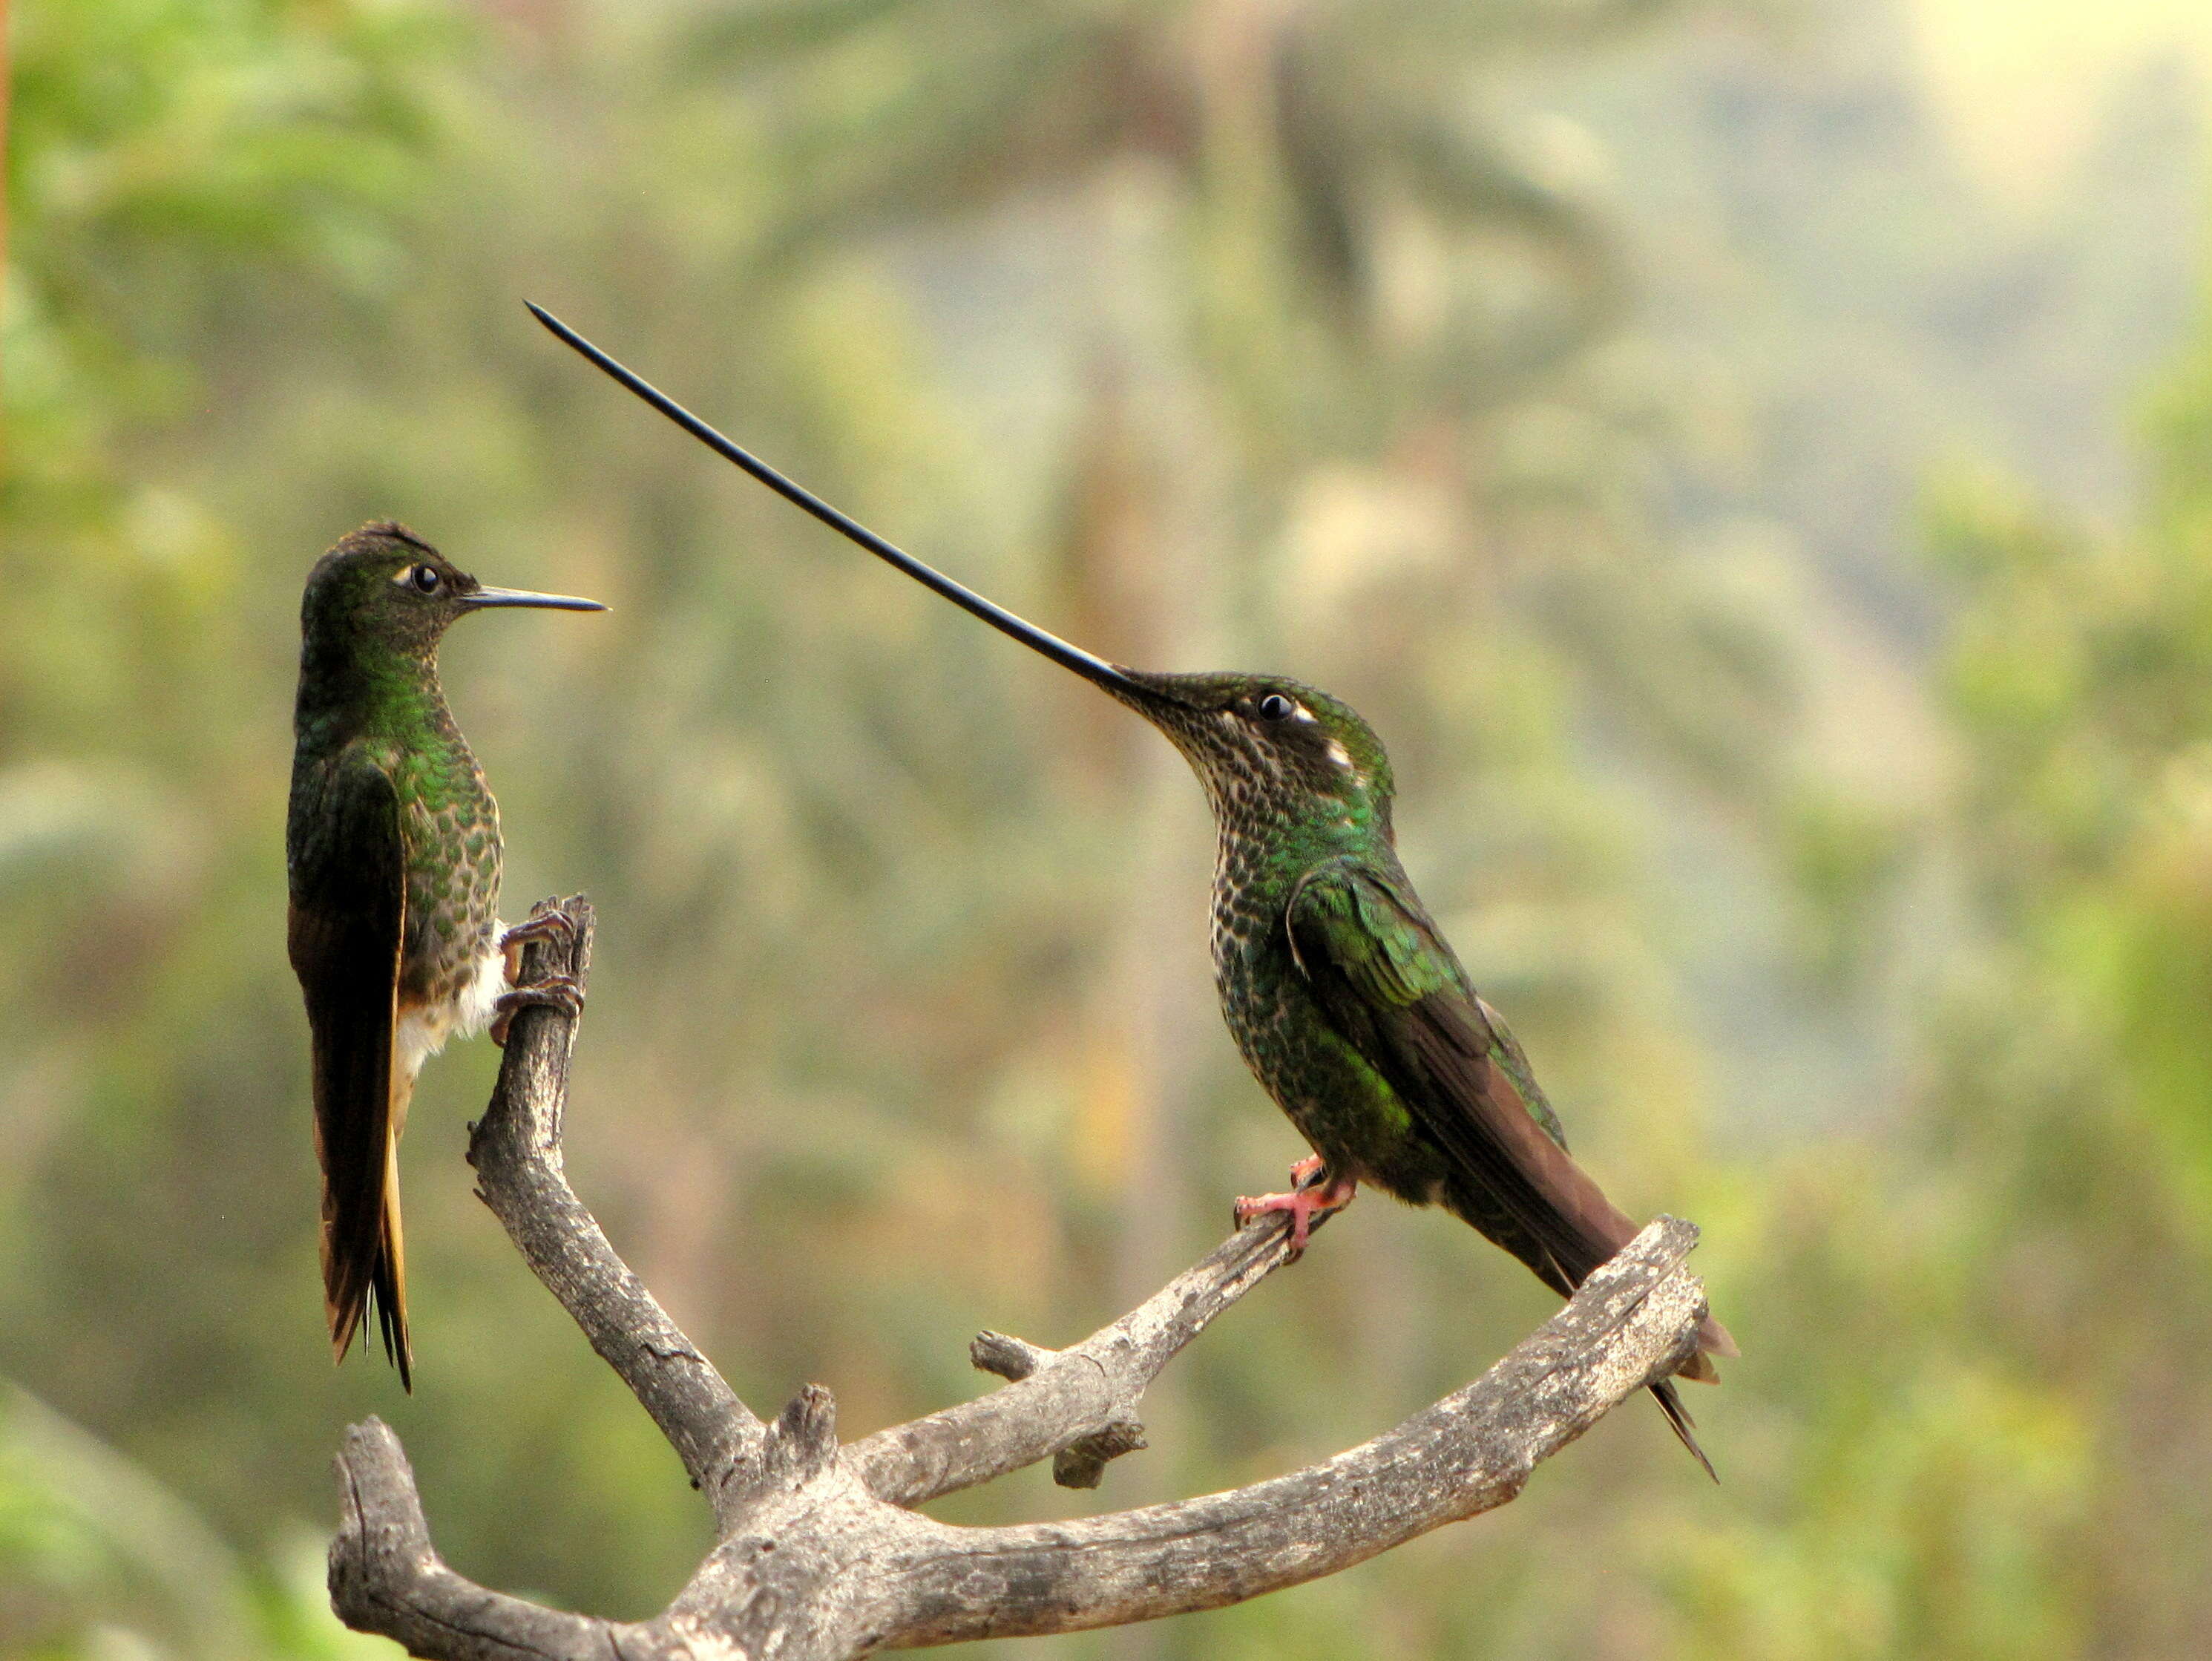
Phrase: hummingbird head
(383, 587)
(1268, 750)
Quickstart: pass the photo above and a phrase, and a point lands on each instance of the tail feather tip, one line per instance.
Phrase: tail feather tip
(1683, 1427)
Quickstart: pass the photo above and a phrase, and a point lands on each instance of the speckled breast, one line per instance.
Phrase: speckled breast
(452, 875)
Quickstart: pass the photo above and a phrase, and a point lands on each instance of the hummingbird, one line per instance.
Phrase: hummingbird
(391, 851)
(1345, 999)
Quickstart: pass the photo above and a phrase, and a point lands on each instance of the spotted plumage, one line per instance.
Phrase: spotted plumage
(1348, 1003)
(392, 855)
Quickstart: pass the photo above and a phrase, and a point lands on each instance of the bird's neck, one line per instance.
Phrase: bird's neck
(1265, 860)
(355, 688)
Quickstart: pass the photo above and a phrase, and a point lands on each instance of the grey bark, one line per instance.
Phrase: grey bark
(820, 1554)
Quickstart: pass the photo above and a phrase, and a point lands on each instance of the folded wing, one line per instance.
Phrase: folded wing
(1393, 989)
(347, 918)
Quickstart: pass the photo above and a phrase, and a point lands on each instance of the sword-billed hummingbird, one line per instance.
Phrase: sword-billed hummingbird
(392, 850)
(1347, 1001)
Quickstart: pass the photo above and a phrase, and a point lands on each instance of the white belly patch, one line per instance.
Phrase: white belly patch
(423, 1032)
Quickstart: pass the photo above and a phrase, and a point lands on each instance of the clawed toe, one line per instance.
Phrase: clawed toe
(555, 925)
(1316, 1195)
(561, 992)
(549, 924)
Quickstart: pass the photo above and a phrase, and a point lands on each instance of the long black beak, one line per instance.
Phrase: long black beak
(1110, 676)
(489, 597)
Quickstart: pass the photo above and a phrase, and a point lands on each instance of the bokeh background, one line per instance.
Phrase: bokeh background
(1752, 462)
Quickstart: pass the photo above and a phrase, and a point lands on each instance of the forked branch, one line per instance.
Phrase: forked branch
(820, 1555)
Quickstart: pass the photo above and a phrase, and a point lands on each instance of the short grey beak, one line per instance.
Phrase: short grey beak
(486, 596)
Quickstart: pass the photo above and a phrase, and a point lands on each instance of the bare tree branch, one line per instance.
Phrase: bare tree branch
(1634, 1320)
(516, 1150)
(1084, 1397)
(385, 1577)
(820, 1554)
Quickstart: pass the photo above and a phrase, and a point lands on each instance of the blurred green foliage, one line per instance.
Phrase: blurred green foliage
(1301, 337)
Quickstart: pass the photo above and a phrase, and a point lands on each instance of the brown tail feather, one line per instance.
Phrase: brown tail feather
(389, 1282)
(361, 1275)
(1714, 1339)
(1685, 1426)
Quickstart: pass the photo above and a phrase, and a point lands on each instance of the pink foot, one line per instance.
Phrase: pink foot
(1313, 1197)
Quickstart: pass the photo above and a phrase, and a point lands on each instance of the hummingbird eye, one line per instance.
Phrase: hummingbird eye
(1275, 707)
(425, 578)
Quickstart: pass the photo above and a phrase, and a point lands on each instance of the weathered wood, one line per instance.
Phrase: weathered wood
(1085, 1394)
(820, 1555)
(385, 1577)
(516, 1150)
(1634, 1320)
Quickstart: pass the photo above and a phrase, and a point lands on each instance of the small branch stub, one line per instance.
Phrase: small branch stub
(1082, 1462)
(802, 1440)
(1009, 1358)
(821, 1555)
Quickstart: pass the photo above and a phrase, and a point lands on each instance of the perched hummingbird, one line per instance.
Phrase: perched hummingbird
(392, 850)
(1346, 999)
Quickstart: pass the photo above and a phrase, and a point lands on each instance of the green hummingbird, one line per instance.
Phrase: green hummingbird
(1345, 1000)
(392, 850)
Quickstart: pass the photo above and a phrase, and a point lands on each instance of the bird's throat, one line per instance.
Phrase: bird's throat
(365, 690)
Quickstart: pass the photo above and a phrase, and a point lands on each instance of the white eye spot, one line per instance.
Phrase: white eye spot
(1299, 712)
